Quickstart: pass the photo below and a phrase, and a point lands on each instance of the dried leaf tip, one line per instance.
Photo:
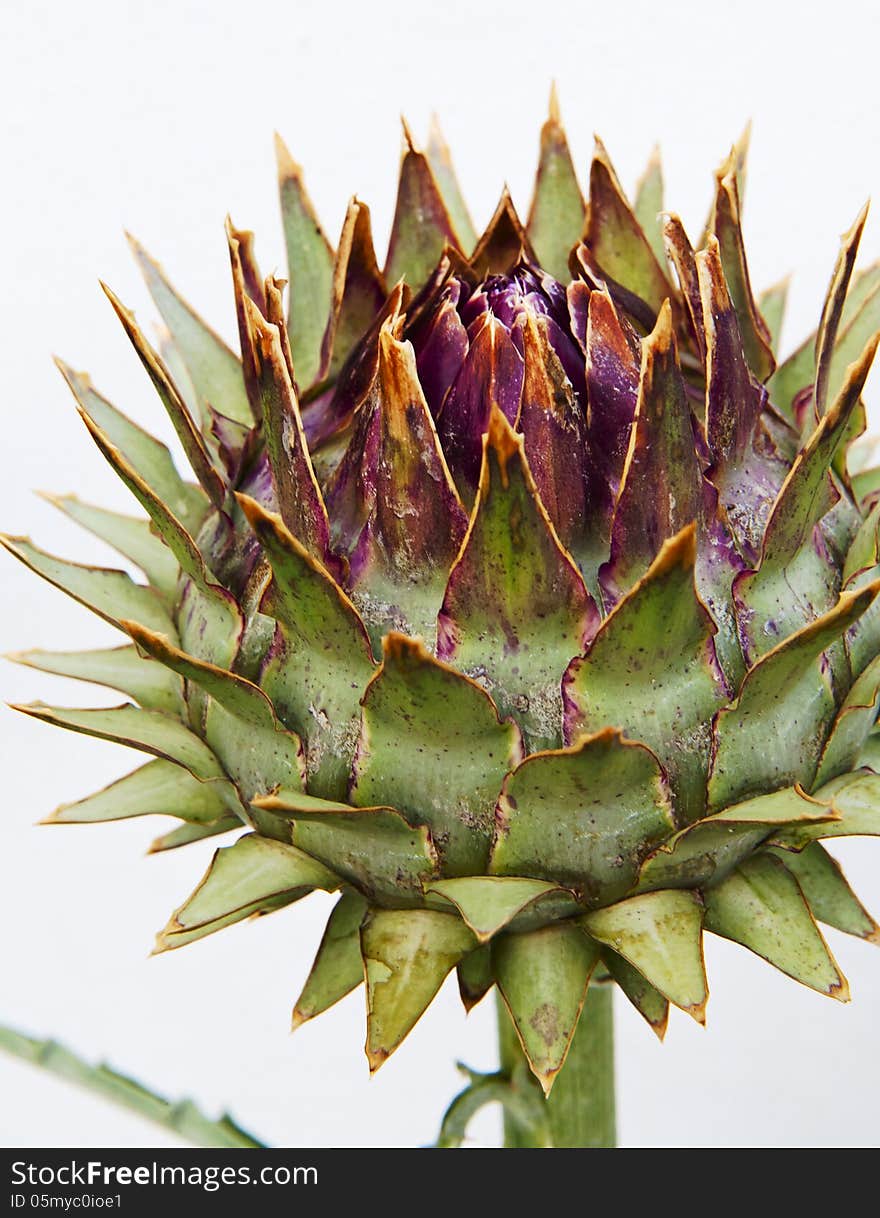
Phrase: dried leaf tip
(287, 166)
(409, 139)
(403, 651)
(554, 114)
(503, 441)
(661, 340)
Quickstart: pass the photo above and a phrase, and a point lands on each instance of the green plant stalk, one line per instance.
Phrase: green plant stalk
(182, 1117)
(581, 1106)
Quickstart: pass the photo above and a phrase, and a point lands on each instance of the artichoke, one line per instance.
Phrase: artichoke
(520, 597)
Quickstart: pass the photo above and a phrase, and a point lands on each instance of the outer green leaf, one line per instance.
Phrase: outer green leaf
(147, 455)
(856, 797)
(359, 290)
(320, 661)
(185, 834)
(119, 668)
(338, 968)
(771, 306)
(422, 227)
(375, 849)
(649, 1002)
(446, 769)
(615, 238)
(584, 816)
(110, 594)
(487, 903)
(543, 977)
(190, 438)
(829, 896)
(660, 934)
(516, 608)
(826, 335)
(129, 535)
(556, 216)
(214, 369)
(761, 906)
(160, 787)
(240, 723)
(787, 699)
(706, 851)
(851, 728)
(648, 205)
(255, 875)
(790, 557)
(652, 671)
(475, 976)
(310, 267)
(407, 955)
(728, 229)
(147, 730)
(440, 159)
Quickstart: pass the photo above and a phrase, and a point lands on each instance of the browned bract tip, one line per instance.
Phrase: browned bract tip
(662, 338)
(504, 243)
(404, 651)
(503, 441)
(554, 114)
(376, 1058)
(287, 166)
(408, 137)
(297, 1019)
(677, 551)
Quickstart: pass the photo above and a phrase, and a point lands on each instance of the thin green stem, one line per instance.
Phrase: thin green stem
(580, 1109)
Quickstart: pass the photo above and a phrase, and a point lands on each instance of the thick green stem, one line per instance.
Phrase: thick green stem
(580, 1109)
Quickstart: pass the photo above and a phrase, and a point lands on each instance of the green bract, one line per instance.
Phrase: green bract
(520, 598)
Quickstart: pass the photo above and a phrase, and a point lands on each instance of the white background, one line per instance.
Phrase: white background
(158, 118)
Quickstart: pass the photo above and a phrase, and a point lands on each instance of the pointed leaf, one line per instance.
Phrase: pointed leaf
(791, 556)
(310, 268)
(110, 594)
(118, 668)
(255, 875)
(316, 698)
(728, 230)
(147, 730)
(358, 293)
(826, 335)
(487, 903)
(680, 254)
(129, 535)
(214, 369)
(516, 608)
(407, 955)
(660, 934)
(556, 216)
(649, 1002)
(583, 817)
(440, 160)
(475, 976)
(616, 240)
(240, 723)
(422, 226)
(489, 379)
(827, 893)
(338, 968)
(299, 497)
(543, 977)
(186, 834)
(446, 770)
(414, 523)
(786, 698)
(612, 369)
(771, 306)
(504, 243)
(856, 799)
(661, 488)
(652, 671)
(158, 788)
(375, 849)
(182, 421)
(855, 719)
(761, 906)
(144, 453)
(648, 205)
(709, 849)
